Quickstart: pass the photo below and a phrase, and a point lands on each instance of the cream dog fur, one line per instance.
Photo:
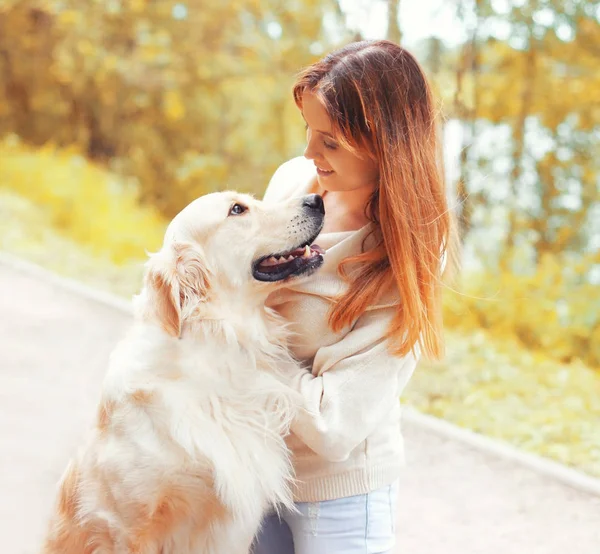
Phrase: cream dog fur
(188, 448)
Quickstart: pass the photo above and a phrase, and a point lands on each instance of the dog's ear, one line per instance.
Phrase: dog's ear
(162, 298)
(176, 283)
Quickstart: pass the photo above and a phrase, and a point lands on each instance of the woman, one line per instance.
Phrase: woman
(361, 322)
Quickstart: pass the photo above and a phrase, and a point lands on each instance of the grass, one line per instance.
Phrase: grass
(26, 232)
(500, 390)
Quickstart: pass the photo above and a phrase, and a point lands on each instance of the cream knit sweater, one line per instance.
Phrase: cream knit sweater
(347, 439)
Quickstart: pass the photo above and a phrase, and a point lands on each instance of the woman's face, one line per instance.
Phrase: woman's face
(338, 169)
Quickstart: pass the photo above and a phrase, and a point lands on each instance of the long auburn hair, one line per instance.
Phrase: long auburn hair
(381, 105)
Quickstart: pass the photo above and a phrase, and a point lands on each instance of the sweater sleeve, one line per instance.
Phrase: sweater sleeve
(289, 180)
(351, 389)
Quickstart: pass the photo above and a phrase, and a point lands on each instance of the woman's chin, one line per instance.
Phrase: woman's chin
(327, 182)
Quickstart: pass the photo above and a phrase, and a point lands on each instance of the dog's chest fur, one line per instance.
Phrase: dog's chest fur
(197, 415)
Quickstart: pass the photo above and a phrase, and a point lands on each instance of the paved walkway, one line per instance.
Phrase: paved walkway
(53, 350)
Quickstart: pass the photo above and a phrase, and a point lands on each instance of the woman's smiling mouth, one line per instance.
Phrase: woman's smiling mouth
(324, 172)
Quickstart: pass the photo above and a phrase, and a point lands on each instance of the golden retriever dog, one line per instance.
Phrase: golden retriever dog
(188, 447)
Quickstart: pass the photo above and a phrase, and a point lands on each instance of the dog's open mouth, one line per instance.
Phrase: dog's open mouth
(294, 263)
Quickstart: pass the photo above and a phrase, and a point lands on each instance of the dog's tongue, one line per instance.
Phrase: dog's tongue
(317, 248)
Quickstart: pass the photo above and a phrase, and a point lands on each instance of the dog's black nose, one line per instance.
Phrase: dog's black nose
(314, 202)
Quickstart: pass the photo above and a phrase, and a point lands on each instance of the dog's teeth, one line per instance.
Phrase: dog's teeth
(307, 252)
(290, 258)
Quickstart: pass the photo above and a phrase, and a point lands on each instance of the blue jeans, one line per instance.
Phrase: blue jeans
(363, 524)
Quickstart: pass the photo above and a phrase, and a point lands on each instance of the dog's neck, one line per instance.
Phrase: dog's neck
(227, 319)
(232, 322)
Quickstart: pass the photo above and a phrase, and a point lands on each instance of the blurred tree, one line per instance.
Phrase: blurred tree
(536, 72)
(187, 97)
(393, 24)
(527, 95)
(464, 107)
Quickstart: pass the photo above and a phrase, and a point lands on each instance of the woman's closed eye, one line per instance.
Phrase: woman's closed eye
(326, 144)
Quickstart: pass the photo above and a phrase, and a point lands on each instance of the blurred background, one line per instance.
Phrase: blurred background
(116, 113)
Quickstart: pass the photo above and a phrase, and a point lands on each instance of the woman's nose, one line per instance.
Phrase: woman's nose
(309, 153)
(312, 151)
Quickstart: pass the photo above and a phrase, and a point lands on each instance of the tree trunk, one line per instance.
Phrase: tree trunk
(518, 137)
(393, 28)
(468, 66)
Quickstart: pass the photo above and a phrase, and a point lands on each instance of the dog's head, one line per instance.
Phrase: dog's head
(226, 244)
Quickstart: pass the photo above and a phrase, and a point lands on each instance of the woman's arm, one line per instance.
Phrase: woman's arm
(353, 386)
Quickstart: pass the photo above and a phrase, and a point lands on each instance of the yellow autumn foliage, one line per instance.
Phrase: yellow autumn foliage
(179, 96)
(490, 384)
(554, 308)
(83, 201)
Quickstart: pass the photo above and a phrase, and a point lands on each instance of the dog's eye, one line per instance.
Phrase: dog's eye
(237, 209)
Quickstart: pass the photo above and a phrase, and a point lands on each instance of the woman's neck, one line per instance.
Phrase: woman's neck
(345, 210)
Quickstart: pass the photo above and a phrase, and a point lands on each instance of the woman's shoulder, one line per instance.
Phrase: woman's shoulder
(291, 178)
